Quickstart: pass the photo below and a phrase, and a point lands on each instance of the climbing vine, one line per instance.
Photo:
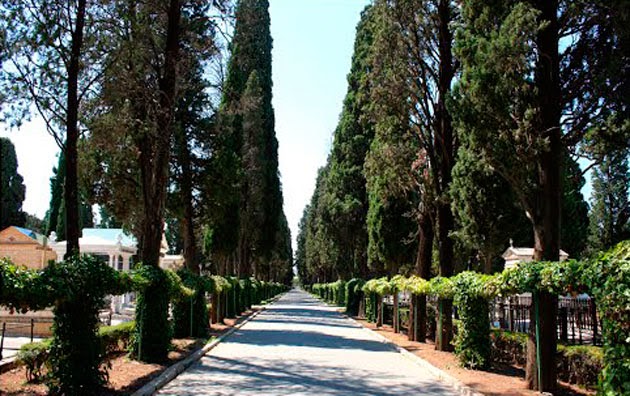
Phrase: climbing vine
(606, 279)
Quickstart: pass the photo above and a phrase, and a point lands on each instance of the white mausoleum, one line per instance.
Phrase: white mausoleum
(515, 255)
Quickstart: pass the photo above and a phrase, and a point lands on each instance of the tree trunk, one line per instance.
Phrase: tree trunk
(487, 263)
(423, 269)
(71, 191)
(547, 208)
(396, 318)
(444, 144)
(155, 150)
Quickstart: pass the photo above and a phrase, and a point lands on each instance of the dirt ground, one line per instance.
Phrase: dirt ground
(125, 375)
(500, 380)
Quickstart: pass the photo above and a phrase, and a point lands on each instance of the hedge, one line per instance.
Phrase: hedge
(75, 289)
(333, 293)
(577, 364)
(36, 355)
(353, 296)
(606, 279)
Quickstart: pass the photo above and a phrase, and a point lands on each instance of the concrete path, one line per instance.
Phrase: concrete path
(300, 347)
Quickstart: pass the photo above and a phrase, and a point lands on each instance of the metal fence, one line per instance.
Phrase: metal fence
(578, 321)
(7, 326)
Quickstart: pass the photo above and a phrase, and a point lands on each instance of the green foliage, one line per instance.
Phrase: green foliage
(472, 339)
(371, 306)
(508, 347)
(610, 216)
(485, 209)
(333, 293)
(608, 279)
(192, 308)
(246, 221)
(574, 211)
(75, 288)
(149, 343)
(333, 231)
(354, 295)
(380, 286)
(116, 338)
(580, 364)
(78, 287)
(576, 364)
(12, 189)
(34, 356)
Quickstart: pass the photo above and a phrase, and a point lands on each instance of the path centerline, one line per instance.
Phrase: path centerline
(299, 346)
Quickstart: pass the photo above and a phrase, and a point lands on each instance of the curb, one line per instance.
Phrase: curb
(464, 390)
(173, 371)
(8, 364)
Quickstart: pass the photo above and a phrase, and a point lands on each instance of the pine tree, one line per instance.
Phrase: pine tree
(12, 189)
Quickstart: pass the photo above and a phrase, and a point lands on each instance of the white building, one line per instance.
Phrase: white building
(515, 255)
(117, 248)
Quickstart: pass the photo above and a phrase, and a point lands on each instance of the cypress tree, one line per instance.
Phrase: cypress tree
(12, 189)
(345, 202)
(610, 214)
(245, 181)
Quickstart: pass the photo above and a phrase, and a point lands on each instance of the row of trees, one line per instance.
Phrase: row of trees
(461, 128)
(152, 128)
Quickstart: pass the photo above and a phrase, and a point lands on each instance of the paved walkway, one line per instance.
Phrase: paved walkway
(298, 346)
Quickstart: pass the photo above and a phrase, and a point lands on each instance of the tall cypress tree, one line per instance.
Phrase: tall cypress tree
(245, 228)
(12, 189)
(56, 213)
(345, 203)
(610, 214)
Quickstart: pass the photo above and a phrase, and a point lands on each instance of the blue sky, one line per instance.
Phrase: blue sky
(313, 42)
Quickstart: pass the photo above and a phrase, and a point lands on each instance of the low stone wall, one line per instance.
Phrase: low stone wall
(19, 325)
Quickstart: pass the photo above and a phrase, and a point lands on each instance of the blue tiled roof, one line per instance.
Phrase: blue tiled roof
(33, 235)
(110, 234)
(27, 232)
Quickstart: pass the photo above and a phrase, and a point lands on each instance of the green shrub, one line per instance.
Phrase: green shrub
(76, 353)
(580, 364)
(153, 332)
(508, 347)
(116, 338)
(609, 281)
(354, 294)
(472, 339)
(34, 356)
(371, 306)
(190, 315)
(338, 293)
